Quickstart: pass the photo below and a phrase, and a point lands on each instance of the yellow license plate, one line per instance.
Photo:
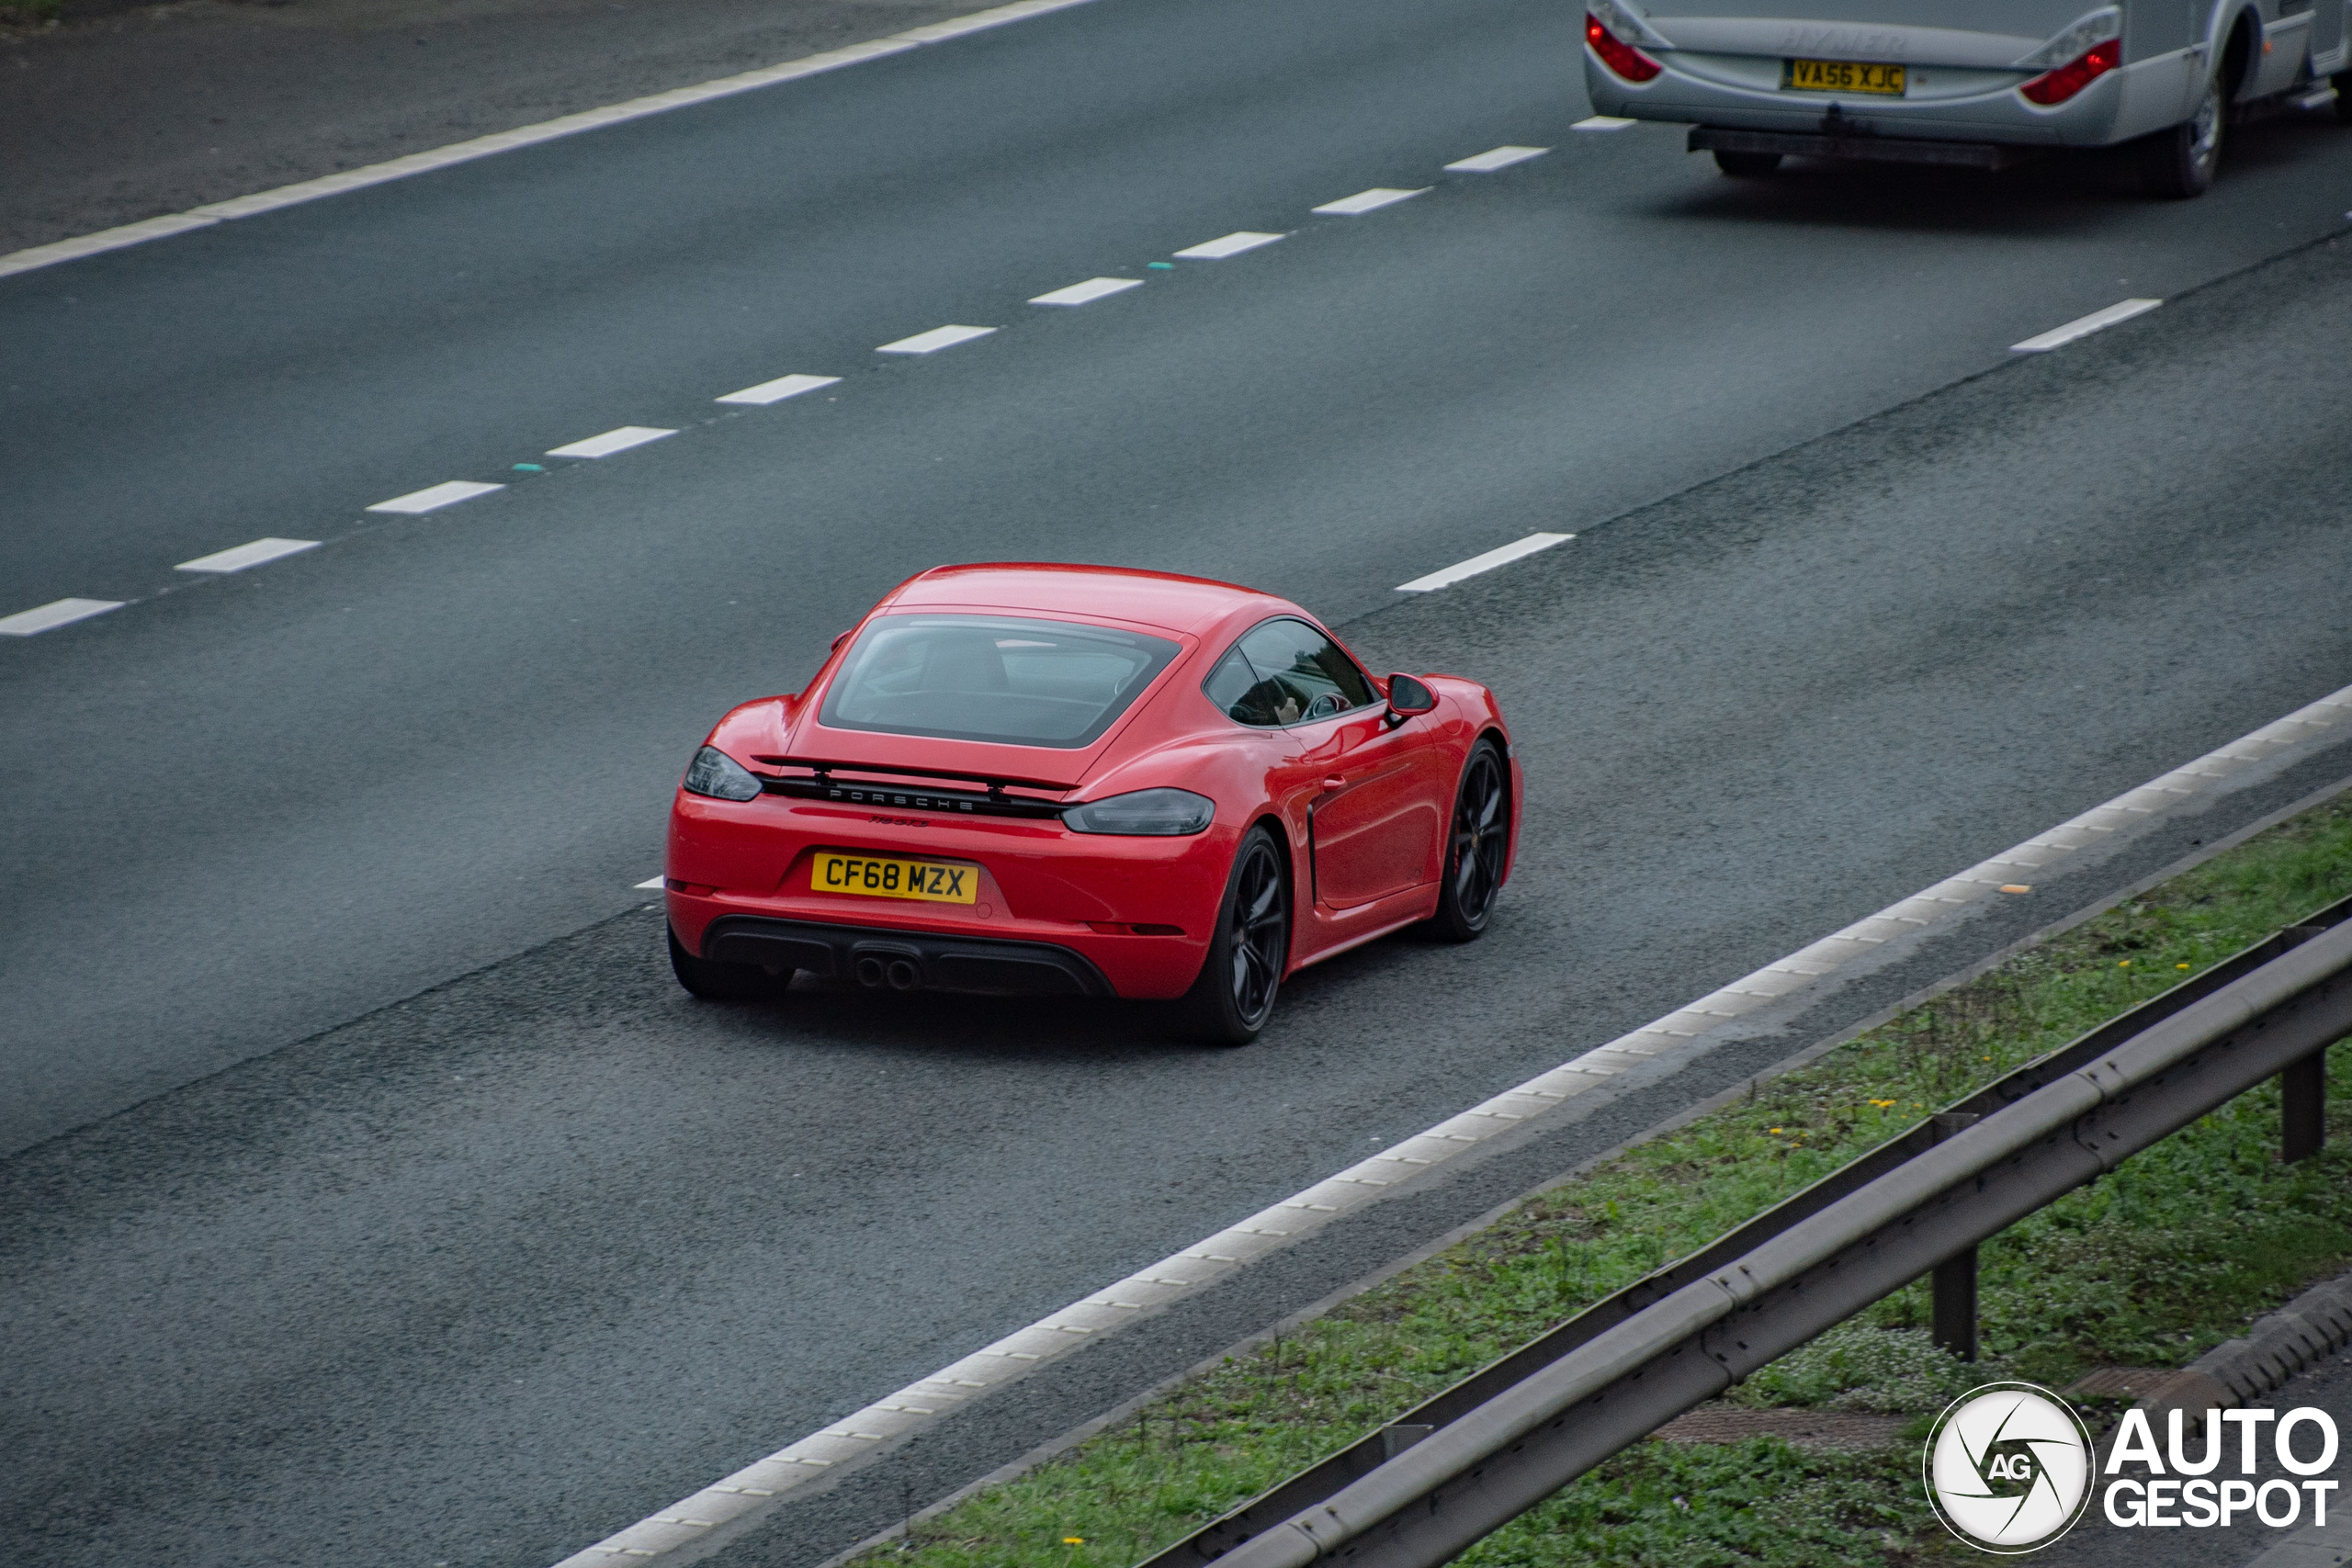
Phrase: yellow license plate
(935, 881)
(1843, 76)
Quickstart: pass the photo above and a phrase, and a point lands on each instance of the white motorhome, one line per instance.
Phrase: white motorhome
(1980, 83)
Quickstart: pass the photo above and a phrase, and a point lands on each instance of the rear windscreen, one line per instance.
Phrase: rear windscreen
(994, 678)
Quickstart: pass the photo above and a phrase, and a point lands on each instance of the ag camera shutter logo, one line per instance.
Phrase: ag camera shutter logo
(2008, 1467)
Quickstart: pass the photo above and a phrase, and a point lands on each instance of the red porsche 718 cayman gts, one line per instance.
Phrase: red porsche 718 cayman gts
(1036, 779)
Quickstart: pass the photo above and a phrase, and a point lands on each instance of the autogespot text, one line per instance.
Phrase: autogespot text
(2177, 1489)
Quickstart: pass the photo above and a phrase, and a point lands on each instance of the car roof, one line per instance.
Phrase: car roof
(1144, 598)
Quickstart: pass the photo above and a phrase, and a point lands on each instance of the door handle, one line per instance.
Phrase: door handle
(1335, 781)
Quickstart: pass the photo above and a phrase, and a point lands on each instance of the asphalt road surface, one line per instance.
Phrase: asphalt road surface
(379, 1199)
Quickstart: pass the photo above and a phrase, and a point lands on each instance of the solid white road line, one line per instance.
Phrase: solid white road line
(1232, 244)
(729, 1507)
(56, 613)
(934, 340)
(1487, 562)
(243, 556)
(650, 884)
(2121, 310)
(776, 391)
(1370, 200)
(1086, 293)
(1500, 158)
(611, 440)
(1600, 122)
(522, 136)
(432, 498)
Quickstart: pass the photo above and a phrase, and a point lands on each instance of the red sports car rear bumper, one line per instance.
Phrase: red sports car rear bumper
(736, 869)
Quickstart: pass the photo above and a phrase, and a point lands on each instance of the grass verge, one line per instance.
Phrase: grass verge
(2148, 1267)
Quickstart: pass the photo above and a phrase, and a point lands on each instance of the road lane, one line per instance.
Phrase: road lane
(482, 1275)
(1372, 397)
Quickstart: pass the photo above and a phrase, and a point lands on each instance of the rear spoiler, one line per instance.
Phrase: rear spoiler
(991, 799)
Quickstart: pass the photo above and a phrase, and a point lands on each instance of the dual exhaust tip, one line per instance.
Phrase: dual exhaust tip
(874, 972)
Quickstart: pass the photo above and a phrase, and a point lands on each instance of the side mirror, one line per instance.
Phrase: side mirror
(1407, 698)
(839, 640)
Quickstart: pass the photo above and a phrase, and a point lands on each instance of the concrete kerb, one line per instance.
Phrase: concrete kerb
(2297, 1336)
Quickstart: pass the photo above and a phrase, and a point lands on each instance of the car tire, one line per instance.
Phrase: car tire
(1477, 845)
(1234, 995)
(1746, 165)
(2179, 163)
(2342, 82)
(715, 982)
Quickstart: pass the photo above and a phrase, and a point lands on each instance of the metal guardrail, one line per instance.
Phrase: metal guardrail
(1438, 1477)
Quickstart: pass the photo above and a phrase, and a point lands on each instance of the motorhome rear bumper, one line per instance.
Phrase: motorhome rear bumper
(1874, 149)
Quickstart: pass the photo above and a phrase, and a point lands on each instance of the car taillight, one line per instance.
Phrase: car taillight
(1618, 55)
(2057, 87)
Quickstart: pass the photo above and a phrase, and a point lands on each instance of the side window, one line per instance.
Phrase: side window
(1235, 687)
(1302, 674)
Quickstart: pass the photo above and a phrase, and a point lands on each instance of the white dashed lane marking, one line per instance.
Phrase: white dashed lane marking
(57, 612)
(1370, 200)
(64, 612)
(650, 884)
(611, 440)
(1086, 293)
(1487, 562)
(2058, 337)
(1500, 158)
(934, 340)
(776, 391)
(432, 498)
(1232, 244)
(243, 556)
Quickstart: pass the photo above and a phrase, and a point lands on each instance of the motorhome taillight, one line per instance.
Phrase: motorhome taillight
(1618, 55)
(2057, 87)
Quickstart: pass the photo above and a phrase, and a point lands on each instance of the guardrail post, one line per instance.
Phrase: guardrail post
(1955, 1288)
(2303, 1108)
(1953, 1282)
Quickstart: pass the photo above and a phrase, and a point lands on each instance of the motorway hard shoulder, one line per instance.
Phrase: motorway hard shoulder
(128, 112)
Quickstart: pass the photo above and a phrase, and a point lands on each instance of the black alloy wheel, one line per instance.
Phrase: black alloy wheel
(1476, 846)
(1234, 994)
(2179, 163)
